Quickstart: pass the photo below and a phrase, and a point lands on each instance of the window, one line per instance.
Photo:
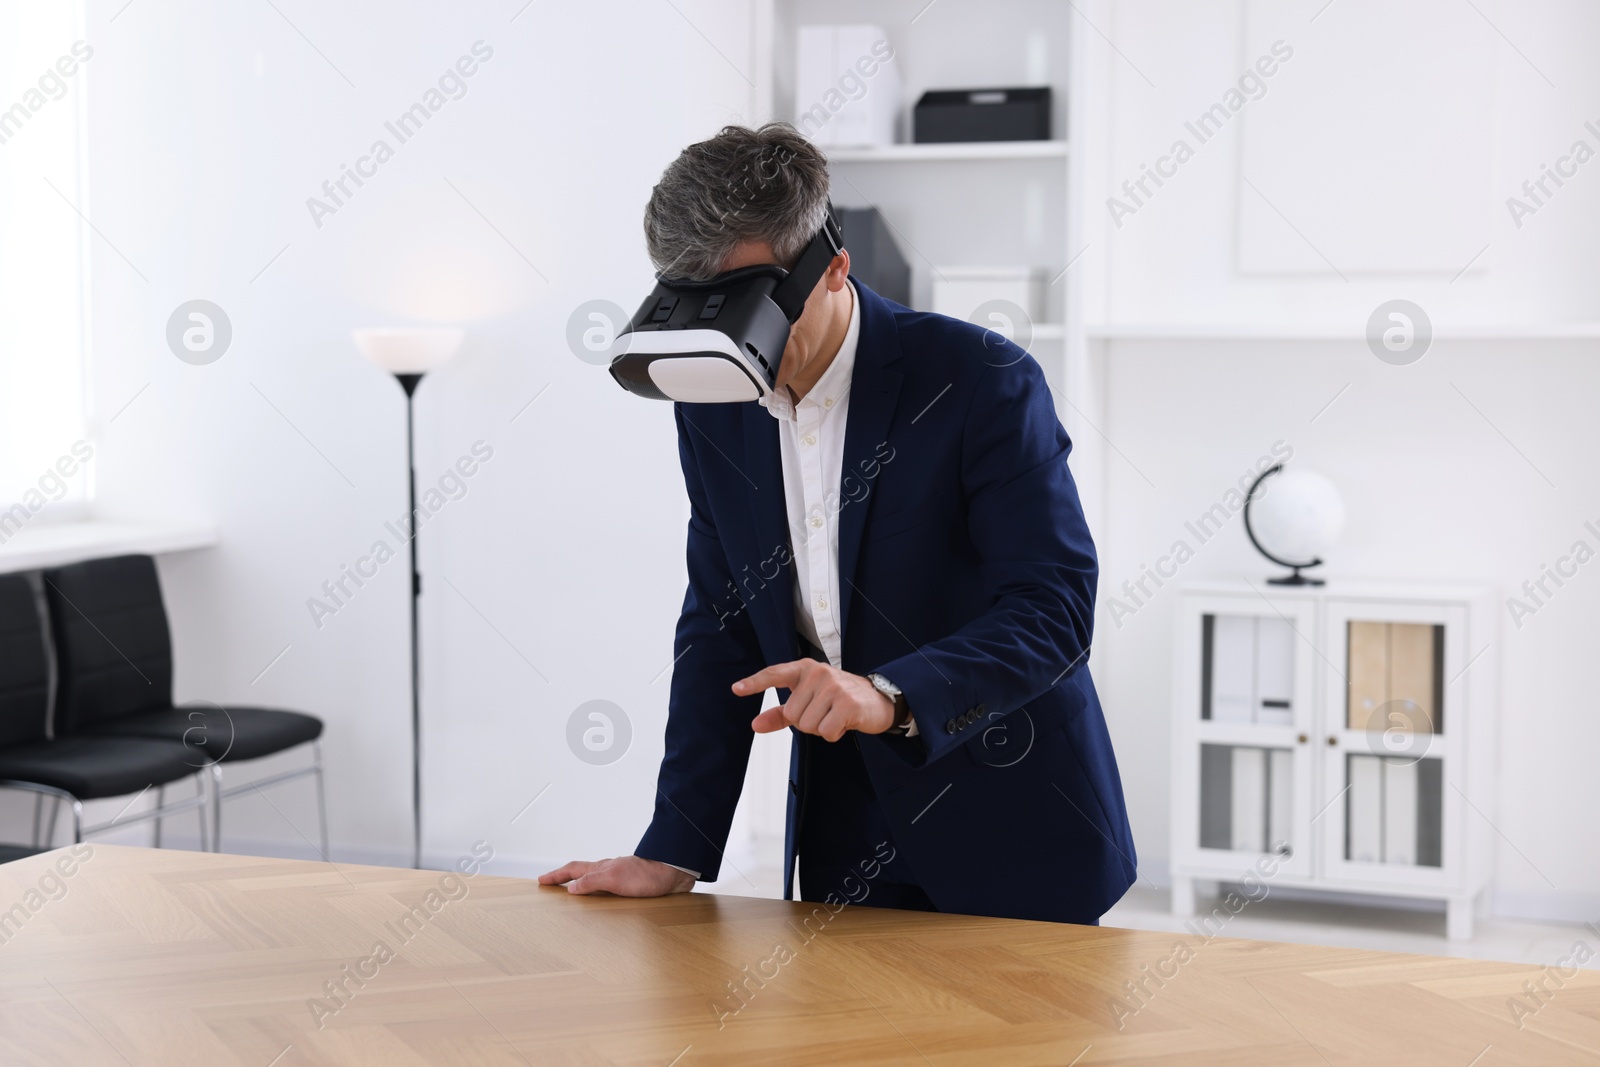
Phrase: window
(43, 263)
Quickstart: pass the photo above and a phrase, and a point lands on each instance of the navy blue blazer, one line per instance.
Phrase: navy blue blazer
(967, 577)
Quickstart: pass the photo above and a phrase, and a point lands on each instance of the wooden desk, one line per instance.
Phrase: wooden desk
(166, 957)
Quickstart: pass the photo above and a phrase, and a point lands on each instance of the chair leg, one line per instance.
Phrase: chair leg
(161, 801)
(38, 812)
(50, 826)
(200, 792)
(216, 815)
(77, 821)
(322, 800)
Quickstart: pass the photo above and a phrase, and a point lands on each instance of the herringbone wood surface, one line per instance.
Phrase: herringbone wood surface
(166, 957)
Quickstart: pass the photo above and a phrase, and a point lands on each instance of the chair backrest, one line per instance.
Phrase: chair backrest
(113, 650)
(24, 666)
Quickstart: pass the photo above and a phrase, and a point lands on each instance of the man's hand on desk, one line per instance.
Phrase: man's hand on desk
(823, 700)
(625, 876)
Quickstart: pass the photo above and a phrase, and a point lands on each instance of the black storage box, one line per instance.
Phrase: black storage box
(874, 257)
(947, 115)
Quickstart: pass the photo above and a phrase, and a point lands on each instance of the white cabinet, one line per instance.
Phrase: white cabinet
(1337, 737)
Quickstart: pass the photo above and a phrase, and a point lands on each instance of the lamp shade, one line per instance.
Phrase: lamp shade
(408, 350)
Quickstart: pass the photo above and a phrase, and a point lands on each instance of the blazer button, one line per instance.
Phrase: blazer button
(950, 727)
(981, 711)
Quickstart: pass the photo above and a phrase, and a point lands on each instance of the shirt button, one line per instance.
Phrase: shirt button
(822, 603)
(828, 403)
(810, 438)
(816, 522)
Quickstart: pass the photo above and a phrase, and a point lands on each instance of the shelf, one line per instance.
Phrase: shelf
(1554, 331)
(913, 153)
(43, 544)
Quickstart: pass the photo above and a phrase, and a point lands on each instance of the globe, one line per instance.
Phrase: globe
(1297, 515)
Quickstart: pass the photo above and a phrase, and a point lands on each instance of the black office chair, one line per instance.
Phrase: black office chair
(114, 665)
(116, 677)
(71, 769)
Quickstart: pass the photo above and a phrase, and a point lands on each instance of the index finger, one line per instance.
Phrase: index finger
(779, 675)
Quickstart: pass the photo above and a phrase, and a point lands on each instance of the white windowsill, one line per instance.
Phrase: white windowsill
(46, 544)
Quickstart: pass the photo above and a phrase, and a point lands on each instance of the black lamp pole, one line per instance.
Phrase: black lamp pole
(409, 383)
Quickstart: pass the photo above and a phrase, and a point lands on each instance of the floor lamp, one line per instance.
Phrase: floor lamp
(408, 354)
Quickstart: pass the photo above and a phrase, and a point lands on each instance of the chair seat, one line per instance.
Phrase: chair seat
(93, 767)
(214, 734)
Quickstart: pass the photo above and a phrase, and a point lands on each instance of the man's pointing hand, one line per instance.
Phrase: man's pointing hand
(823, 700)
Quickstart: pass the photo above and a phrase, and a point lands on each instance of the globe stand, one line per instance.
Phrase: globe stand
(1296, 578)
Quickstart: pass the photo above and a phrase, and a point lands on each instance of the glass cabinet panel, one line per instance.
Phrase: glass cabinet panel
(1247, 798)
(1394, 810)
(1396, 675)
(1247, 669)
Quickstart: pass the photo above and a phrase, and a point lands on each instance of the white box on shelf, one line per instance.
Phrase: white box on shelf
(847, 86)
(961, 291)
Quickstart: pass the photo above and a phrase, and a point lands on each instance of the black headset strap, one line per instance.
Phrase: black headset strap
(790, 296)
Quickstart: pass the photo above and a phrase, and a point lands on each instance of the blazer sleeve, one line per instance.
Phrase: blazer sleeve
(1036, 555)
(708, 733)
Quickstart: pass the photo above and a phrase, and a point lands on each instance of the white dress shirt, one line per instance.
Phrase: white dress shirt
(811, 440)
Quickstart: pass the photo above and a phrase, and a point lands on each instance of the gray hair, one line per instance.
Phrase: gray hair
(769, 184)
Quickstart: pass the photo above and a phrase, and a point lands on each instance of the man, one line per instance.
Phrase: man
(892, 540)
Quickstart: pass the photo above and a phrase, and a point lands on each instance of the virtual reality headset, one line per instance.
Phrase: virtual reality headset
(720, 341)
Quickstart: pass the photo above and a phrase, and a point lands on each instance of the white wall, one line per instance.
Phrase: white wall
(210, 129)
(1435, 489)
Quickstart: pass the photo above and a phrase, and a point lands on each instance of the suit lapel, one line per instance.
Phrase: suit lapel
(765, 463)
(874, 391)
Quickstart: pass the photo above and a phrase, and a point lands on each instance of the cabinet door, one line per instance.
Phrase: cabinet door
(1242, 759)
(1392, 743)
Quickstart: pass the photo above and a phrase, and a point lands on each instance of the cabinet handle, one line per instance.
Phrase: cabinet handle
(1303, 739)
(1333, 740)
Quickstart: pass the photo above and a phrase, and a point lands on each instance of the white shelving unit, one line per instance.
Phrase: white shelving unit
(1004, 203)
(1336, 738)
(931, 153)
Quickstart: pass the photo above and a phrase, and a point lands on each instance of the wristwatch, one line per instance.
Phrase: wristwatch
(902, 710)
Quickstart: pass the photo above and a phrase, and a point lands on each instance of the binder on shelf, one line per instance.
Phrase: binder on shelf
(1412, 674)
(1367, 668)
(1399, 812)
(1233, 639)
(1364, 810)
(1249, 799)
(847, 85)
(1280, 797)
(1274, 671)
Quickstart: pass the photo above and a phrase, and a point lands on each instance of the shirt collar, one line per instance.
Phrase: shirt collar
(835, 381)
